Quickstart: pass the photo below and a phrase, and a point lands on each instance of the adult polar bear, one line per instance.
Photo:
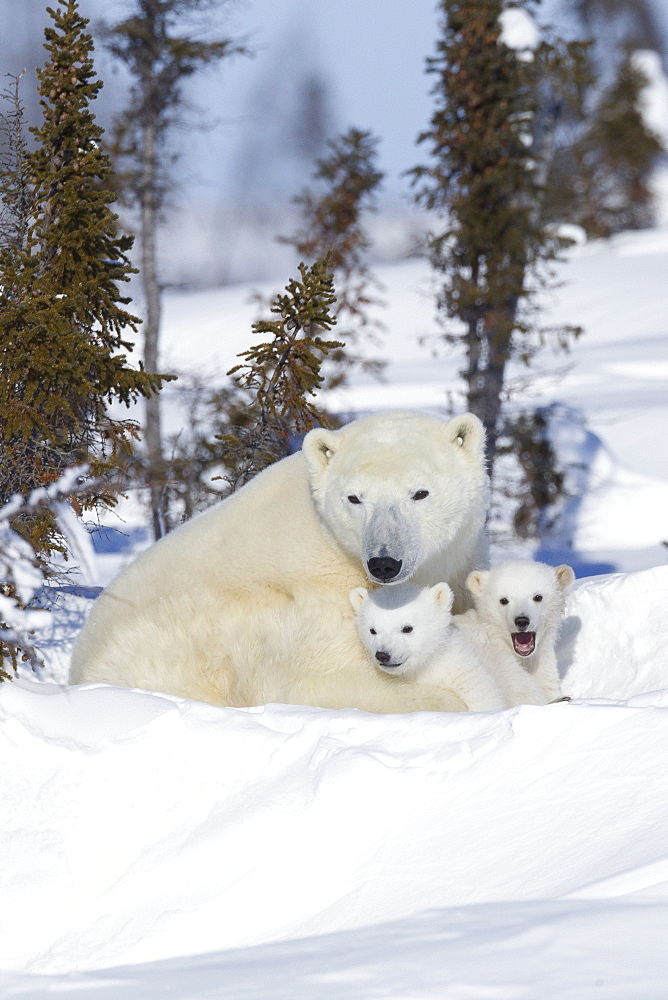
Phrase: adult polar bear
(248, 603)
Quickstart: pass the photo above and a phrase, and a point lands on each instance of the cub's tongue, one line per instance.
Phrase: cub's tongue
(524, 643)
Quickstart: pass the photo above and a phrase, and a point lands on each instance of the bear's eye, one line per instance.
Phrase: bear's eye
(373, 631)
(421, 494)
(353, 499)
(407, 628)
(503, 600)
(538, 598)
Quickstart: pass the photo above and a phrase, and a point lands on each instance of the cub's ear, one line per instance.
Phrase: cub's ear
(443, 596)
(357, 597)
(467, 432)
(565, 576)
(475, 581)
(318, 447)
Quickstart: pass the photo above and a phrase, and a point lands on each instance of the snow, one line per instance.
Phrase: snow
(151, 846)
(654, 98)
(519, 31)
(495, 854)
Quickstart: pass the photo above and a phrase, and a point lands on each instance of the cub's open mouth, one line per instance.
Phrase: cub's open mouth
(524, 643)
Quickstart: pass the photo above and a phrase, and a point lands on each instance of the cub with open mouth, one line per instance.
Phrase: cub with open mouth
(519, 607)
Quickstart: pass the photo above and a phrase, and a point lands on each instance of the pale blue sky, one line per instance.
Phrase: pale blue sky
(371, 54)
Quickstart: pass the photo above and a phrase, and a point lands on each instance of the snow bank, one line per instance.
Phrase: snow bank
(613, 643)
(137, 827)
(511, 951)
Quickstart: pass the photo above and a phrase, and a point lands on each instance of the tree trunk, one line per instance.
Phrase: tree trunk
(489, 394)
(487, 352)
(152, 298)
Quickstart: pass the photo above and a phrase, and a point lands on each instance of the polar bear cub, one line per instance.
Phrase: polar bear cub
(408, 631)
(518, 610)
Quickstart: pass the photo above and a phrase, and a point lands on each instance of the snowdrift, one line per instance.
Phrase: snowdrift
(479, 848)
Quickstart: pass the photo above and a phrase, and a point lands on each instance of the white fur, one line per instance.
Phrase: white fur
(248, 603)
(408, 632)
(525, 597)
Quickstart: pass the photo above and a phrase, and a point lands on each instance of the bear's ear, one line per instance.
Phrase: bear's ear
(443, 596)
(357, 597)
(467, 432)
(475, 581)
(565, 576)
(318, 447)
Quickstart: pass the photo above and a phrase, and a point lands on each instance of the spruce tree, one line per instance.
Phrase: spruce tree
(600, 180)
(347, 181)
(160, 59)
(629, 150)
(63, 321)
(494, 250)
(281, 373)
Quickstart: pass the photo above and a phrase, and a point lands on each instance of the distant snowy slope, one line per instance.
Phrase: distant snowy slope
(612, 387)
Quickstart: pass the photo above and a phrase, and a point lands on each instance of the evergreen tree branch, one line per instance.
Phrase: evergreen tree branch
(282, 373)
(63, 322)
(348, 180)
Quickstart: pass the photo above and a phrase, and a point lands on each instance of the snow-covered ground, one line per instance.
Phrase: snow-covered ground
(155, 847)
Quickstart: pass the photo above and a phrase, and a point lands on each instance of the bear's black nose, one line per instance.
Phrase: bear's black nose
(384, 568)
(522, 622)
(382, 656)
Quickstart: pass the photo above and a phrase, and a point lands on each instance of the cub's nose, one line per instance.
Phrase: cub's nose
(382, 656)
(384, 568)
(522, 622)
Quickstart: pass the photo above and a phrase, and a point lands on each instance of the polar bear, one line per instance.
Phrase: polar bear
(518, 611)
(248, 602)
(408, 632)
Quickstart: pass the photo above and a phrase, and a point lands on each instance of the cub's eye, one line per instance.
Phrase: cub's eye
(421, 494)
(373, 631)
(538, 598)
(353, 499)
(503, 600)
(407, 628)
